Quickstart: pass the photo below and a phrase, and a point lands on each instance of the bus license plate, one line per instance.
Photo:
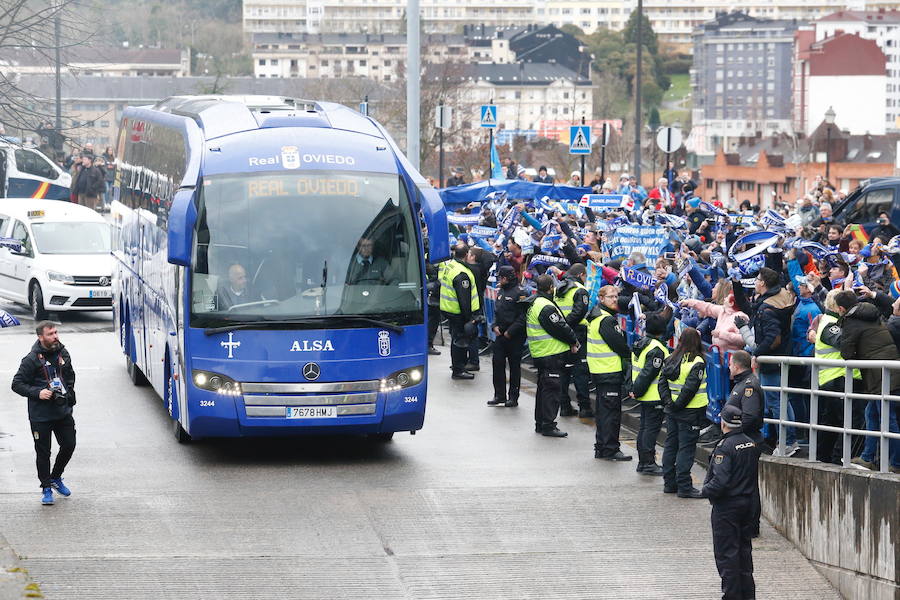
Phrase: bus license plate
(311, 412)
(100, 294)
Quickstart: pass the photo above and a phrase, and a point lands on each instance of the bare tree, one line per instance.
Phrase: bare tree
(28, 31)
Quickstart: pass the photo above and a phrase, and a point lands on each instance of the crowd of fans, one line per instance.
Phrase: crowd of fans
(764, 293)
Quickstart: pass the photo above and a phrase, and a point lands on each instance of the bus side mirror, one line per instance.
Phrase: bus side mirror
(436, 219)
(182, 217)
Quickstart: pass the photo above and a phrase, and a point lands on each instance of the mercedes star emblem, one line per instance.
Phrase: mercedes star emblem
(311, 371)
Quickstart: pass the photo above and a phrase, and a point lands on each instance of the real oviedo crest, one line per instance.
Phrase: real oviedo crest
(290, 157)
(384, 343)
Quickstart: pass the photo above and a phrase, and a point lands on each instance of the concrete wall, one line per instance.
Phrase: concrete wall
(845, 521)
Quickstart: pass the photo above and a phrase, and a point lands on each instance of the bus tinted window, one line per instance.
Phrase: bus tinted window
(289, 246)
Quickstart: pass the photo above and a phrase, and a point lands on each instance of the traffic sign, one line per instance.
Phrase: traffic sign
(668, 139)
(443, 116)
(580, 139)
(364, 108)
(489, 116)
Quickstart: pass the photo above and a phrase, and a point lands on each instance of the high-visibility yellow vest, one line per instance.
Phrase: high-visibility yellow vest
(652, 393)
(448, 271)
(700, 399)
(541, 343)
(567, 301)
(600, 357)
(823, 350)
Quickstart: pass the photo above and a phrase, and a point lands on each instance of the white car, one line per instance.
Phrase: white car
(54, 256)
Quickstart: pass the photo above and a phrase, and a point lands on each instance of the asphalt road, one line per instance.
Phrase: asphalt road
(474, 506)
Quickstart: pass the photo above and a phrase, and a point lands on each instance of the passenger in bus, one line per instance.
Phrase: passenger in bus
(366, 268)
(236, 290)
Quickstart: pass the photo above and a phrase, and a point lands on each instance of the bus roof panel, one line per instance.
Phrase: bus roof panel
(299, 149)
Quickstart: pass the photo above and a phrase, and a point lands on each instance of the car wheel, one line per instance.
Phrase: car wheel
(36, 301)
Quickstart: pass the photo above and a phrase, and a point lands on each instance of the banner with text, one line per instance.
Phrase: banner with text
(648, 240)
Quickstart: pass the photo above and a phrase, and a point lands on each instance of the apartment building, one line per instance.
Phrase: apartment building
(377, 16)
(101, 61)
(741, 78)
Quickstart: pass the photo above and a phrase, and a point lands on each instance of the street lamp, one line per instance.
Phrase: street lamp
(829, 121)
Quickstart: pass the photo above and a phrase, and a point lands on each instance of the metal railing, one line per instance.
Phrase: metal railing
(848, 395)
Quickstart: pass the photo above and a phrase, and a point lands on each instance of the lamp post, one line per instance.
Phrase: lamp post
(829, 121)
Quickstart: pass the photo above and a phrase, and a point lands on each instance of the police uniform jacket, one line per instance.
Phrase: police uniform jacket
(553, 323)
(462, 287)
(580, 303)
(32, 377)
(670, 372)
(733, 469)
(615, 338)
(652, 365)
(748, 396)
(509, 311)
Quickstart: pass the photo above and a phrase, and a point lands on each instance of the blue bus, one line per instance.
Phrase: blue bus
(269, 273)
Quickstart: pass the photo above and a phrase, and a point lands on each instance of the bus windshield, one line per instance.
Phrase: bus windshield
(291, 246)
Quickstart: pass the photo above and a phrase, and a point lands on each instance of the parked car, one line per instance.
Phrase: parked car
(61, 261)
(873, 197)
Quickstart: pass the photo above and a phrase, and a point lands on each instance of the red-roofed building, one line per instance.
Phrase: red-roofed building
(883, 27)
(845, 73)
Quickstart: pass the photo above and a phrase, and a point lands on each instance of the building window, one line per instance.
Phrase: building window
(262, 62)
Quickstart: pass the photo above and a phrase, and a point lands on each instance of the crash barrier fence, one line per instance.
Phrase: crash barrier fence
(847, 396)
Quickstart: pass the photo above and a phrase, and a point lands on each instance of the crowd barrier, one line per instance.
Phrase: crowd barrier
(718, 383)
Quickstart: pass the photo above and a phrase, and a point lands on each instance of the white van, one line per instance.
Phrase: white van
(28, 173)
(62, 261)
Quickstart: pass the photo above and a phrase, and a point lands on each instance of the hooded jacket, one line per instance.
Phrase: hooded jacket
(771, 321)
(865, 337)
(725, 335)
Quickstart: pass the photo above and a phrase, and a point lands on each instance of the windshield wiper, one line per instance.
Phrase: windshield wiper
(324, 319)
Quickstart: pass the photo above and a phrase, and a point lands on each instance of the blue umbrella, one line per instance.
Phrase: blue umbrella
(7, 320)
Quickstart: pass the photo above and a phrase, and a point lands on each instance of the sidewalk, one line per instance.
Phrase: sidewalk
(14, 581)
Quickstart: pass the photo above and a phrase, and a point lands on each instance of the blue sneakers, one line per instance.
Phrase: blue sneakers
(47, 498)
(59, 486)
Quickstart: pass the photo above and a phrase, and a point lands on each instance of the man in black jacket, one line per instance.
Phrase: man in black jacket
(865, 337)
(434, 312)
(731, 485)
(47, 379)
(509, 340)
(770, 318)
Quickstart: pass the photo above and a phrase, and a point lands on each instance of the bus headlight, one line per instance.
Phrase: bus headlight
(214, 382)
(402, 379)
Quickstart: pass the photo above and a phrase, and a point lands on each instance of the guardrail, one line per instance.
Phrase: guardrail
(848, 395)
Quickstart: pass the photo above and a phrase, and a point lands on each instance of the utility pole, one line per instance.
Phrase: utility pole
(637, 94)
(58, 138)
(413, 72)
(582, 158)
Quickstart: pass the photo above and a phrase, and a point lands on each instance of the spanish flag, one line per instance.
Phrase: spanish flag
(858, 232)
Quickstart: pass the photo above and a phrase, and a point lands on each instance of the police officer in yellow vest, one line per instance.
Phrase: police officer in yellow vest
(572, 299)
(459, 303)
(682, 388)
(649, 353)
(831, 410)
(550, 341)
(609, 362)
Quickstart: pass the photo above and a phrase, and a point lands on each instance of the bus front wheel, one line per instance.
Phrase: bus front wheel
(134, 373)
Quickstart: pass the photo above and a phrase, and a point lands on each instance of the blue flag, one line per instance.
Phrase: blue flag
(496, 167)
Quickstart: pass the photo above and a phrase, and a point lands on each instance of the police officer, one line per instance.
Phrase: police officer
(682, 387)
(747, 396)
(572, 298)
(731, 484)
(459, 303)
(649, 354)
(550, 340)
(47, 379)
(509, 340)
(609, 362)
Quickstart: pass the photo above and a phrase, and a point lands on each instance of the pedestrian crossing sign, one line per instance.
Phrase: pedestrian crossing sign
(580, 139)
(489, 116)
